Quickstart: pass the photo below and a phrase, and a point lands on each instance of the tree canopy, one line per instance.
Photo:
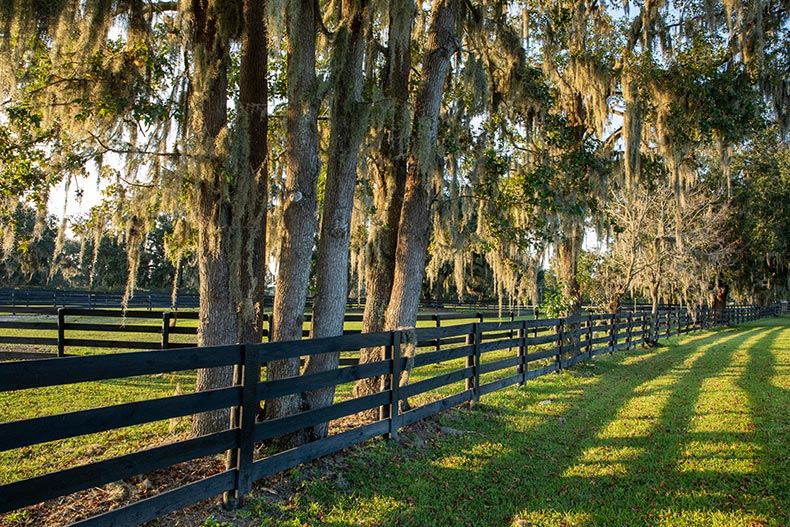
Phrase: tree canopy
(404, 151)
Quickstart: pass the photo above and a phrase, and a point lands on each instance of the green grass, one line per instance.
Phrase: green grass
(48, 457)
(39, 459)
(117, 322)
(695, 432)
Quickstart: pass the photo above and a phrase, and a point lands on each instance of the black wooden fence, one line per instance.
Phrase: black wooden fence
(66, 327)
(59, 329)
(488, 356)
(94, 299)
(158, 300)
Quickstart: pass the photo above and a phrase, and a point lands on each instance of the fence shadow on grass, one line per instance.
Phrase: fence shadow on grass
(770, 407)
(549, 443)
(680, 465)
(608, 450)
(682, 455)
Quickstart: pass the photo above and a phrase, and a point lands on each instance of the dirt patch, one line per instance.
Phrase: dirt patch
(63, 511)
(84, 504)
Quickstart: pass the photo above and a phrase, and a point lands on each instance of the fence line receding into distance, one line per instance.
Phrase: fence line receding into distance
(478, 358)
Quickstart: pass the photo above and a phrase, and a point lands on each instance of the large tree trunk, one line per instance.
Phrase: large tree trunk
(655, 294)
(208, 107)
(719, 292)
(253, 193)
(348, 125)
(424, 163)
(217, 324)
(568, 254)
(614, 304)
(231, 230)
(299, 208)
(389, 182)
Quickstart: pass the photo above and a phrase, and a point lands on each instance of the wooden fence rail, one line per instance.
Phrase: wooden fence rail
(46, 326)
(156, 328)
(93, 299)
(485, 357)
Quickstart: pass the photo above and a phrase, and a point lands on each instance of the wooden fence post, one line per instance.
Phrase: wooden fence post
(669, 323)
(270, 324)
(589, 335)
(242, 417)
(473, 361)
(522, 353)
(560, 331)
(391, 411)
(469, 383)
(681, 321)
(61, 331)
(165, 329)
(613, 334)
(630, 330)
(438, 320)
(478, 340)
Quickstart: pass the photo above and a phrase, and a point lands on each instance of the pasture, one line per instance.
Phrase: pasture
(695, 432)
(692, 432)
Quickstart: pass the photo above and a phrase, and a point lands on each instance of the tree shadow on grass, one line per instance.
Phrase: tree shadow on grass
(686, 454)
(632, 469)
(613, 449)
(699, 461)
(767, 385)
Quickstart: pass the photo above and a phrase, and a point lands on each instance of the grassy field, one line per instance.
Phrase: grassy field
(154, 337)
(48, 457)
(695, 432)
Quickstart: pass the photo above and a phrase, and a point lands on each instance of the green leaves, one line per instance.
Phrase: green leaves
(760, 224)
(24, 170)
